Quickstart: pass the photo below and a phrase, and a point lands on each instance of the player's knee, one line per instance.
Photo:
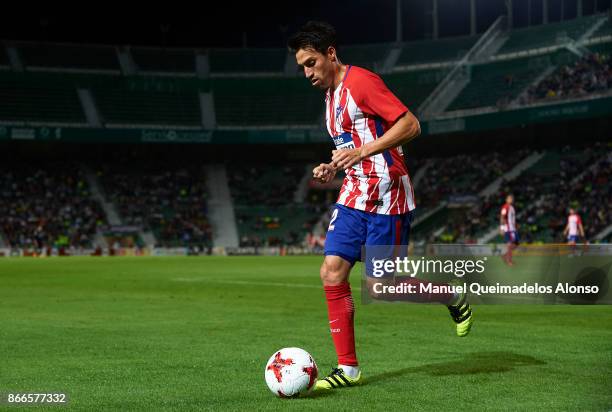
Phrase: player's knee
(333, 272)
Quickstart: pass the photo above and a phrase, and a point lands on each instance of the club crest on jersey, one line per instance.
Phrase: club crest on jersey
(339, 110)
(344, 141)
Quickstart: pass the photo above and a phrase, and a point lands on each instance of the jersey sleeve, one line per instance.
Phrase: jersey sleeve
(376, 99)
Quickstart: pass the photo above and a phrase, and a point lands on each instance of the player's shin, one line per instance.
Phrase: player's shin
(341, 317)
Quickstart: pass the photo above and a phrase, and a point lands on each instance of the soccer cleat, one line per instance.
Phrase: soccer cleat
(461, 312)
(337, 379)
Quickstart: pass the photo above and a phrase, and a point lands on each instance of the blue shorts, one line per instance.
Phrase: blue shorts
(511, 237)
(573, 238)
(350, 229)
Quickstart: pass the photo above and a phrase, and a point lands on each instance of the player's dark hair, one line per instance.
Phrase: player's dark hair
(317, 35)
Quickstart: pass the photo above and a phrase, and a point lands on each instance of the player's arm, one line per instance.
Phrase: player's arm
(580, 228)
(374, 98)
(566, 230)
(502, 220)
(405, 129)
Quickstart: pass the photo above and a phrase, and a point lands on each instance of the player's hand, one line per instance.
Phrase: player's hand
(345, 158)
(324, 173)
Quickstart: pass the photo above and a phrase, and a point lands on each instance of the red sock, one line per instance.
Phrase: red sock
(422, 297)
(341, 312)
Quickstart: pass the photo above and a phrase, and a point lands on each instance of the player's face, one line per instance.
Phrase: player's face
(318, 67)
(509, 200)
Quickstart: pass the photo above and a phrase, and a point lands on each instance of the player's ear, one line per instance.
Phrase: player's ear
(331, 53)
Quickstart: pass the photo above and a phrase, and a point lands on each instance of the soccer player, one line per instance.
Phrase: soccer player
(507, 228)
(573, 230)
(368, 126)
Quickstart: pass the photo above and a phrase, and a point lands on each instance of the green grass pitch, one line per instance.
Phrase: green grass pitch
(194, 333)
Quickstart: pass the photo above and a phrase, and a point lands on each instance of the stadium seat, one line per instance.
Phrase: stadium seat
(170, 201)
(247, 60)
(90, 57)
(132, 101)
(604, 30)
(546, 34)
(263, 203)
(266, 101)
(4, 60)
(39, 97)
(604, 48)
(371, 57)
(494, 83)
(435, 51)
(413, 87)
(164, 60)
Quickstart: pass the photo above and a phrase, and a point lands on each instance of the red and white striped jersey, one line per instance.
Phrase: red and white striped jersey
(509, 218)
(361, 109)
(573, 220)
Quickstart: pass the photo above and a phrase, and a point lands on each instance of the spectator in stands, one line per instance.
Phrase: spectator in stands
(47, 207)
(171, 201)
(590, 74)
(582, 182)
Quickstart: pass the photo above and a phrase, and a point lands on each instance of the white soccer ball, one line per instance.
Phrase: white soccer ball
(291, 372)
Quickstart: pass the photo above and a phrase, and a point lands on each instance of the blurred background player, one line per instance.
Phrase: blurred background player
(573, 230)
(507, 222)
(368, 125)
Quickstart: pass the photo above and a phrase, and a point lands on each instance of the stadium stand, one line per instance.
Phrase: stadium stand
(435, 51)
(261, 101)
(4, 60)
(47, 206)
(263, 202)
(268, 185)
(39, 98)
(604, 30)
(239, 79)
(251, 89)
(496, 83)
(164, 60)
(170, 201)
(283, 225)
(125, 101)
(227, 61)
(66, 56)
(371, 56)
(591, 74)
(462, 175)
(590, 194)
(569, 177)
(602, 48)
(546, 34)
(413, 87)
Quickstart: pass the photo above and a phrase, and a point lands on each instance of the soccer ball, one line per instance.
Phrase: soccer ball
(290, 372)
